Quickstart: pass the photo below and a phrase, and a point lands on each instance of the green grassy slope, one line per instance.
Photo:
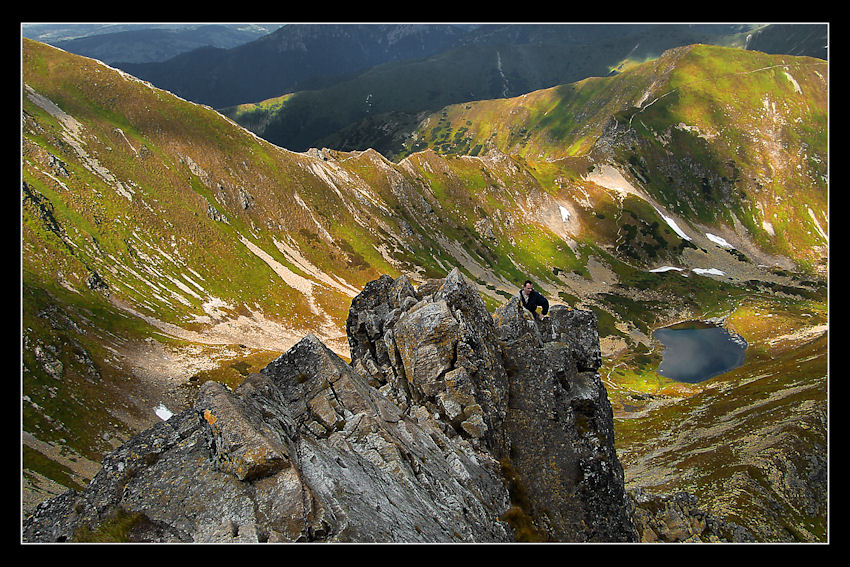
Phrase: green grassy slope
(163, 245)
(717, 135)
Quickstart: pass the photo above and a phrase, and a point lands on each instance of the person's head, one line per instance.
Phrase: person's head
(527, 286)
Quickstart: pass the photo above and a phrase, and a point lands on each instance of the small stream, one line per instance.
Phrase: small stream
(696, 351)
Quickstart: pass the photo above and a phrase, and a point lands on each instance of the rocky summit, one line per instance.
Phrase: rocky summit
(448, 425)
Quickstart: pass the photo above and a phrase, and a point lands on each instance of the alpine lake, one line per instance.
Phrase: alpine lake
(695, 351)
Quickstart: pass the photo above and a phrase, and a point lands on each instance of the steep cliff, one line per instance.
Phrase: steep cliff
(448, 425)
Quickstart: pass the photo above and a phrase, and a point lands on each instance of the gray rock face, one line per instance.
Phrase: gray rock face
(561, 426)
(447, 425)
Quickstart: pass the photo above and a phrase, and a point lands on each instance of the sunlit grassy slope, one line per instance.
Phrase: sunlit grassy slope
(715, 134)
(163, 245)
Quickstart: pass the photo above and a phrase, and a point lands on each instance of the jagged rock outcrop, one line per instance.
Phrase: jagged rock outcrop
(448, 425)
(561, 426)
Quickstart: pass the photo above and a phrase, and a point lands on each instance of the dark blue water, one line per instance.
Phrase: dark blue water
(695, 353)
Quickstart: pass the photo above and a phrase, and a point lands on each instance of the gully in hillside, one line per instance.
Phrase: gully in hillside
(532, 299)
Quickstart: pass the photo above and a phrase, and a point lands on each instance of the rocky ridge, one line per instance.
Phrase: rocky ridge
(448, 425)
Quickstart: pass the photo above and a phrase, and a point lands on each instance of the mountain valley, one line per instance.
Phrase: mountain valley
(164, 246)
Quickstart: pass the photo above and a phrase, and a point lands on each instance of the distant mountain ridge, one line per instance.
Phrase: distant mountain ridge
(295, 57)
(379, 107)
(300, 56)
(137, 43)
(407, 68)
(791, 39)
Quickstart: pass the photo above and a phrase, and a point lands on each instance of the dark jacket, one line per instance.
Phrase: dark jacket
(535, 300)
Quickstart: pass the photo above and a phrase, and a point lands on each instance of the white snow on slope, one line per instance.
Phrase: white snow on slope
(709, 271)
(718, 240)
(162, 412)
(672, 224)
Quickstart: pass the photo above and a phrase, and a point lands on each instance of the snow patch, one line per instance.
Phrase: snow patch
(162, 412)
(565, 214)
(718, 240)
(672, 224)
(709, 271)
(700, 271)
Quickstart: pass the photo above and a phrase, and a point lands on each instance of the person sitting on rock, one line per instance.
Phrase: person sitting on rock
(531, 300)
